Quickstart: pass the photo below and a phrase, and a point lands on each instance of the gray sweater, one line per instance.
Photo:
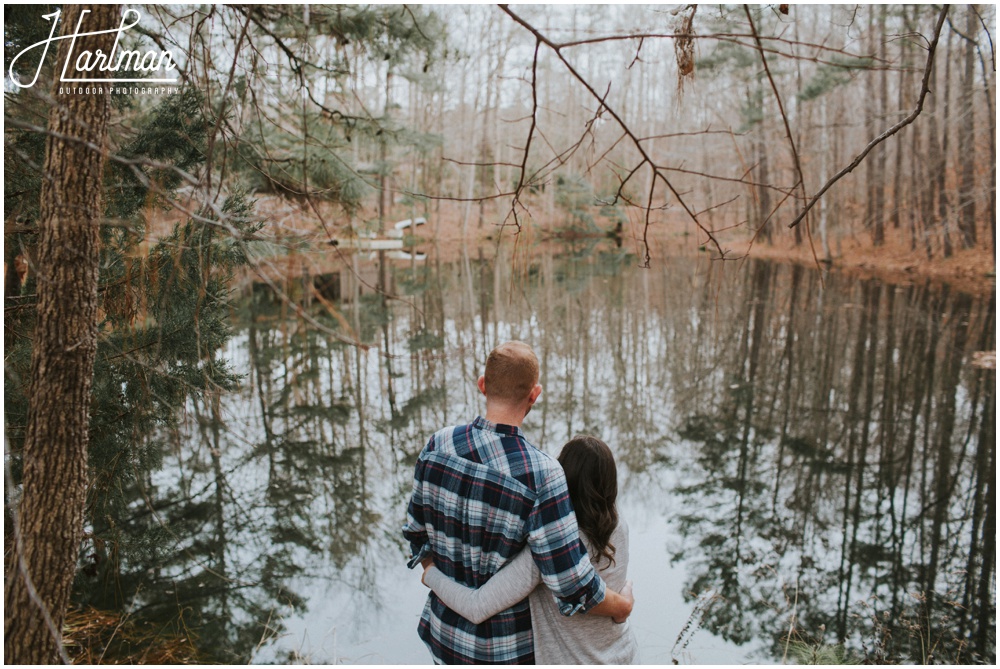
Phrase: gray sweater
(559, 639)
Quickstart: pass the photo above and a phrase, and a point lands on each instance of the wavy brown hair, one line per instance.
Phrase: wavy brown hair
(593, 487)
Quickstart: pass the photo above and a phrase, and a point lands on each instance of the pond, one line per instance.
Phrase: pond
(805, 458)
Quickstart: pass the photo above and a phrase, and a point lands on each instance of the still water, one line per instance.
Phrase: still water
(803, 459)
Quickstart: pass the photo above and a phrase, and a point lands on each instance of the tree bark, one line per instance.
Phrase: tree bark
(934, 188)
(881, 151)
(897, 185)
(872, 224)
(385, 176)
(944, 201)
(49, 525)
(966, 138)
(991, 124)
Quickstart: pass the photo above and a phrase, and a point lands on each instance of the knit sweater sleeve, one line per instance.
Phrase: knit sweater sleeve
(503, 590)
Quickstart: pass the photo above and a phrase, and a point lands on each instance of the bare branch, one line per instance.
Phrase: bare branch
(989, 36)
(657, 173)
(516, 201)
(722, 37)
(910, 118)
(800, 183)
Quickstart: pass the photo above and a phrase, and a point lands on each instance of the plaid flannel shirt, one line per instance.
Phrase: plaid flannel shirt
(480, 492)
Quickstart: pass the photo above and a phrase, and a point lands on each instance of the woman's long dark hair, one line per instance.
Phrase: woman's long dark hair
(593, 488)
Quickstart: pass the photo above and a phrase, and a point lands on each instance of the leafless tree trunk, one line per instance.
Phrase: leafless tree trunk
(50, 514)
(966, 137)
(384, 180)
(942, 165)
(872, 221)
(991, 122)
(824, 174)
(880, 157)
(931, 189)
(904, 85)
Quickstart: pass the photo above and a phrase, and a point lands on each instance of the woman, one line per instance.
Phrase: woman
(579, 639)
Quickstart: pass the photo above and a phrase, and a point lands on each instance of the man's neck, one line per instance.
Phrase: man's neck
(505, 416)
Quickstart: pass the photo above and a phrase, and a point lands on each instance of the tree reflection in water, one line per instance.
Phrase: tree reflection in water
(833, 449)
(841, 475)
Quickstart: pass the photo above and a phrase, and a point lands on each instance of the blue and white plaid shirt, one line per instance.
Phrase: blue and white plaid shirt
(480, 492)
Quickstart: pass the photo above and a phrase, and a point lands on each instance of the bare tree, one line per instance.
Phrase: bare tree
(966, 136)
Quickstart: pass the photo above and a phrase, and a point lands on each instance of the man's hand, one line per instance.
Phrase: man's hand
(617, 606)
(426, 563)
(627, 595)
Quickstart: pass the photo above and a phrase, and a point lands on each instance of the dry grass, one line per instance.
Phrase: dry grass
(102, 637)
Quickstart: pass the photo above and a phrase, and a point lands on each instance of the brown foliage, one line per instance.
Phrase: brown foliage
(91, 636)
(684, 46)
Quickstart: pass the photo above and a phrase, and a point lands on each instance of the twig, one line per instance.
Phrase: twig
(210, 151)
(531, 133)
(781, 107)
(657, 173)
(791, 630)
(989, 36)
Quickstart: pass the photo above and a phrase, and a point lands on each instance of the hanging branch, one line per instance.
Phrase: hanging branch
(646, 158)
(800, 183)
(924, 88)
(516, 201)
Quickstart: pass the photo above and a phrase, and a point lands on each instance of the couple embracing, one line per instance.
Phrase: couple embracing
(525, 555)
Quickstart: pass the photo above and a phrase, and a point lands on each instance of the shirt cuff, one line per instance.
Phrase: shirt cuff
(424, 551)
(590, 597)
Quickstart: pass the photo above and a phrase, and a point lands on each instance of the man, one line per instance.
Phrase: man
(481, 492)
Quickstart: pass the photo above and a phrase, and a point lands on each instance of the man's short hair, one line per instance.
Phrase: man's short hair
(511, 372)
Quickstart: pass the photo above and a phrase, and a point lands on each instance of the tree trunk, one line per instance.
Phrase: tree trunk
(932, 188)
(897, 184)
(991, 124)
(872, 225)
(40, 573)
(384, 197)
(763, 225)
(942, 168)
(882, 149)
(798, 139)
(966, 138)
(824, 175)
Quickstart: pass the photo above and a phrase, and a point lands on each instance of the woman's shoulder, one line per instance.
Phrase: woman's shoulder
(619, 536)
(618, 539)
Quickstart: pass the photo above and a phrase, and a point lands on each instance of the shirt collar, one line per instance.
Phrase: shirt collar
(509, 430)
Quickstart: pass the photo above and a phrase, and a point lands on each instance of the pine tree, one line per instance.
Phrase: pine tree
(162, 319)
(47, 524)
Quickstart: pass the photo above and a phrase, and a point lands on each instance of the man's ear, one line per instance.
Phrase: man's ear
(482, 384)
(535, 392)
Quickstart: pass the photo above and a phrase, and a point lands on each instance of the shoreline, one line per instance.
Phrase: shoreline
(968, 270)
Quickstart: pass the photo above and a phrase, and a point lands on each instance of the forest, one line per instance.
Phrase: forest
(254, 255)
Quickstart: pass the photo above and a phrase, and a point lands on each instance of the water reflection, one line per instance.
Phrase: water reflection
(846, 460)
(800, 454)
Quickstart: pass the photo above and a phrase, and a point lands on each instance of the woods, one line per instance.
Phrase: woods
(153, 240)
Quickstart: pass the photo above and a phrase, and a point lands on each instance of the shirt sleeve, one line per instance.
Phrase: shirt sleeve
(503, 590)
(554, 540)
(414, 531)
